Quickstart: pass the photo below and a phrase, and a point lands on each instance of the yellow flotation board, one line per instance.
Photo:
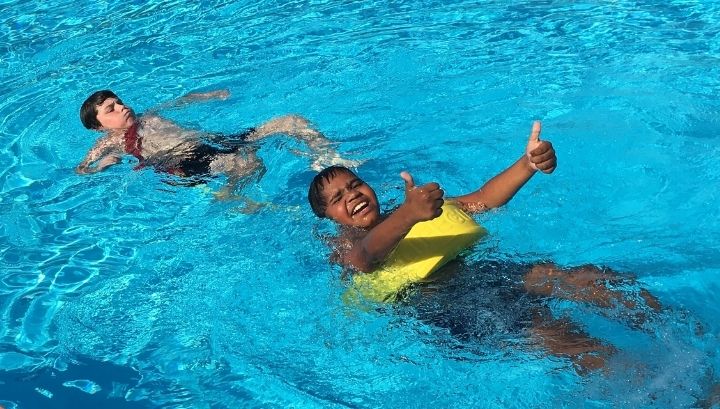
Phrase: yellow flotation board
(426, 248)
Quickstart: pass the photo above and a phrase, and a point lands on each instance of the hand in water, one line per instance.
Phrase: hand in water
(540, 154)
(108, 161)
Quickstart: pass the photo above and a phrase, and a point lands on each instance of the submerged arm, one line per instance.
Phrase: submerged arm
(104, 154)
(192, 97)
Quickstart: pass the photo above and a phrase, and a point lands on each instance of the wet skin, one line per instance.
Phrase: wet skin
(113, 114)
(351, 202)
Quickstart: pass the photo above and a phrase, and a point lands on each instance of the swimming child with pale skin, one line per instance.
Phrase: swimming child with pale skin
(367, 239)
(172, 149)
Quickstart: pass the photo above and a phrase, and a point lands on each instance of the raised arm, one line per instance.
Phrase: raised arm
(421, 203)
(104, 154)
(539, 155)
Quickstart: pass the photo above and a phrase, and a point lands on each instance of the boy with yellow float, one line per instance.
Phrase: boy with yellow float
(338, 194)
(390, 252)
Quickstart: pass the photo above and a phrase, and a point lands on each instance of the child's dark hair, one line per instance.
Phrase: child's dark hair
(88, 110)
(315, 197)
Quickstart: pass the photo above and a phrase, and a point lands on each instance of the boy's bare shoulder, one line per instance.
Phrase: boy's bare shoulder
(109, 142)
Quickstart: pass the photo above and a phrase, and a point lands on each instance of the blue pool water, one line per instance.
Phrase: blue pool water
(120, 291)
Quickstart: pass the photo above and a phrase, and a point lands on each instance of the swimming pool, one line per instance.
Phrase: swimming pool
(120, 291)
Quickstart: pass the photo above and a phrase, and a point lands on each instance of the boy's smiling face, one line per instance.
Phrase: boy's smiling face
(350, 201)
(113, 114)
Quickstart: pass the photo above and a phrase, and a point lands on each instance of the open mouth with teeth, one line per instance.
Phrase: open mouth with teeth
(358, 208)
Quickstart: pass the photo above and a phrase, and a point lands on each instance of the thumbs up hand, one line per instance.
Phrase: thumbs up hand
(423, 202)
(540, 154)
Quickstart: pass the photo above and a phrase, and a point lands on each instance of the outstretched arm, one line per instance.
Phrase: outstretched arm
(539, 155)
(192, 97)
(104, 154)
(421, 203)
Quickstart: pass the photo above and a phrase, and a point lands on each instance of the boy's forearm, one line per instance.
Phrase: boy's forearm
(86, 166)
(85, 169)
(501, 188)
(372, 250)
(204, 96)
(82, 169)
(190, 98)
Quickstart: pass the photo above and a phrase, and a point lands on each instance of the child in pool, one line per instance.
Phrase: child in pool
(368, 237)
(167, 147)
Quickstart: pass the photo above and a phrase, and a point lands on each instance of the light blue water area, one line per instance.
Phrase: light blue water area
(151, 295)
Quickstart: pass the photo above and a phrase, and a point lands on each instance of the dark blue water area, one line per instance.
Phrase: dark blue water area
(52, 388)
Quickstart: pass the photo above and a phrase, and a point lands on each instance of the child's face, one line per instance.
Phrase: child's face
(350, 201)
(112, 114)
